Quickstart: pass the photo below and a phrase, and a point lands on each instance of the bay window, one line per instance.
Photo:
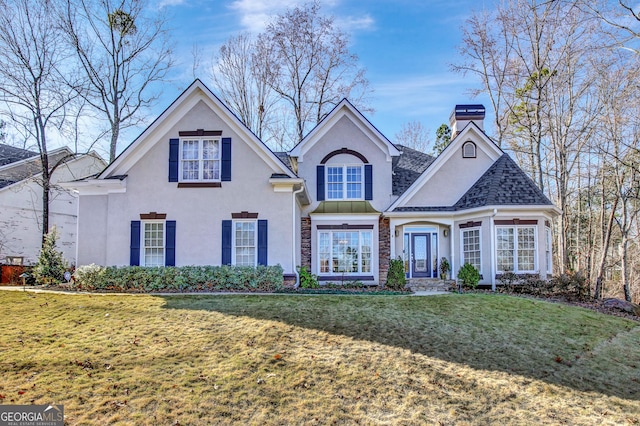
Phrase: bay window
(345, 252)
(471, 248)
(516, 249)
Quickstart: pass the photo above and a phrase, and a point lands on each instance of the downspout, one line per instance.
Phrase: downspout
(294, 236)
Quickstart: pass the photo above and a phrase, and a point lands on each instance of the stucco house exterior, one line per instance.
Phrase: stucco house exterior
(198, 188)
(21, 201)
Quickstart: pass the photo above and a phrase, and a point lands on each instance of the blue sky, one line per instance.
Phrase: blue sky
(406, 47)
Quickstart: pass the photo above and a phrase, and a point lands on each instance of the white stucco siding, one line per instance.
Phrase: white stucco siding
(452, 180)
(199, 211)
(93, 229)
(345, 134)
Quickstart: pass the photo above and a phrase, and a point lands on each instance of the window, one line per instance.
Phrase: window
(471, 247)
(516, 249)
(244, 243)
(469, 150)
(199, 160)
(548, 250)
(348, 252)
(344, 182)
(153, 244)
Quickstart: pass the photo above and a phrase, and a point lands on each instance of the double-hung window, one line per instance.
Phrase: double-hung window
(199, 160)
(153, 244)
(345, 252)
(471, 248)
(245, 241)
(344, 182)
(516, 249)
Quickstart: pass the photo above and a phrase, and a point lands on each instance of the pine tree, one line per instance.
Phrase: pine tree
(51, 264)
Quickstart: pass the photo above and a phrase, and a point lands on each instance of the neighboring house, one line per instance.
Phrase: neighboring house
(198, 188)
(21, 201)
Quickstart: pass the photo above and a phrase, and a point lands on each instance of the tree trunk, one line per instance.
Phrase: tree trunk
(606, 238)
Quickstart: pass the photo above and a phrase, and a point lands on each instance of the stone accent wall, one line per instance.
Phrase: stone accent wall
(305, 243)
(384, 249)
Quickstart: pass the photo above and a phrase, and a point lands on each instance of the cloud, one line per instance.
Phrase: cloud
(255, 14)
(351, 23)
(167, 3)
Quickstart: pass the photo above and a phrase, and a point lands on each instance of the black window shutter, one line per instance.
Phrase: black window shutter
(170, 248)
(226, 242)
(174, 146)
(368, 182)
(262, 242)
(320, 183)
(225, 166)
(134, 253)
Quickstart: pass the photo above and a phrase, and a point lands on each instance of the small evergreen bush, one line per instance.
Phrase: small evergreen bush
(51, 264)
(469, 275)
(396, 278)
(307, 279)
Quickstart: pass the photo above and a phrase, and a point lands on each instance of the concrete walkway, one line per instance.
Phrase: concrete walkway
(33, 289)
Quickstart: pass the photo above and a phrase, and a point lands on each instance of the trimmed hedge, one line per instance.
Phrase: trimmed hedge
(182, 279)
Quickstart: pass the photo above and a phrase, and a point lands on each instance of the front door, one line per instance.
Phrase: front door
(420, 255)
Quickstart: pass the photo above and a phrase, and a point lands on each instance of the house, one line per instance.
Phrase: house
(21, 201)
(198, 188)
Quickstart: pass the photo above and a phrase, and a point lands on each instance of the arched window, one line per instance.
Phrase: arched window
(469, 150)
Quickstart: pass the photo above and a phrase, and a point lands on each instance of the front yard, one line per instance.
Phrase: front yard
(451, 359)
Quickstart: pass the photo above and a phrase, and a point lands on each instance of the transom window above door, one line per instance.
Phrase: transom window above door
(344, 182)
(199, 160)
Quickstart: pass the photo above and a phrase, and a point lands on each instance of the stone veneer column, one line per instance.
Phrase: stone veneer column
(384, 249)
(305, 242)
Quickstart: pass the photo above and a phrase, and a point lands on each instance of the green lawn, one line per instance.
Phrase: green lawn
(451, 359)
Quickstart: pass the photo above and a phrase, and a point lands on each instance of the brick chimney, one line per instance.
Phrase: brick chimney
(463, 114)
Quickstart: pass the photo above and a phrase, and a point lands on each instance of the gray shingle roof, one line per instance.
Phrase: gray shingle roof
(408, 167)
(284, 157)
(504, 184)
(10, 154)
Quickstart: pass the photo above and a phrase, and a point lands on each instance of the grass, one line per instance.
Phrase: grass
(452, 359)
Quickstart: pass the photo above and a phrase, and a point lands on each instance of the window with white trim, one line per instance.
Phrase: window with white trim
(516, 249)
(153, 244)
(469, 150)
(245, 243)
(344, 182)
(548, 250)
(348, 252)
(471, 248)
(199, 160)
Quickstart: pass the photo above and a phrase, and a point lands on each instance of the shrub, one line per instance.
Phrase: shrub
(469, 275)
(396, 278)
(307, 279)
(567, 286)
(185, 278)
(51, 265)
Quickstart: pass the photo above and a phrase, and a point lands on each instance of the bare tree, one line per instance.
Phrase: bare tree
(414, 135)
(123, 49)
(306, 61)
(34, 84)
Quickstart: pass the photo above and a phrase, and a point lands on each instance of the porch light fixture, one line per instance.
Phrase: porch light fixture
(445, 233)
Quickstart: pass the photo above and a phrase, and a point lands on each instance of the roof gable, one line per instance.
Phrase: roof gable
(195, 93)
(344, 109)
(470, 132)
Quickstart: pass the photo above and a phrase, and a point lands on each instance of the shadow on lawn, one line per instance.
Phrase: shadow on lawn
(539, 340)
